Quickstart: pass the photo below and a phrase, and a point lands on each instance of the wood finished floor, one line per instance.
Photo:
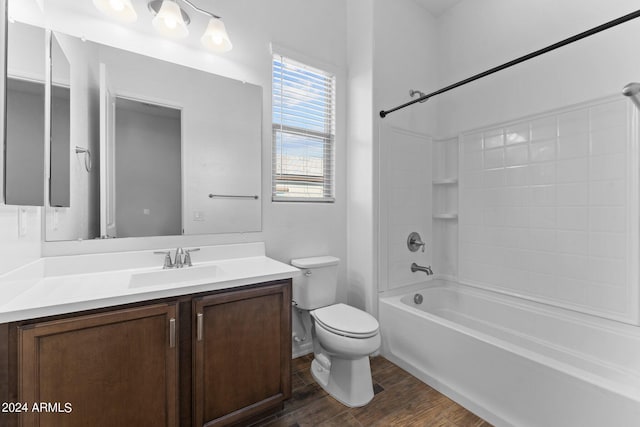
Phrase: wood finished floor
(400, 400)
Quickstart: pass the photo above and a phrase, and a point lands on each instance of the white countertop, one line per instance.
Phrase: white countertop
(60, 285)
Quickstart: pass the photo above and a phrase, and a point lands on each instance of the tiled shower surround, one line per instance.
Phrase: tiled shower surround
(546, 206)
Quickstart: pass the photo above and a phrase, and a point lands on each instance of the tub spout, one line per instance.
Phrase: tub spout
(415, 267)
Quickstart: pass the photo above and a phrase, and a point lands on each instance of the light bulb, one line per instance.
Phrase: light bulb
(122, 10)
(116, 5)
(169, 22)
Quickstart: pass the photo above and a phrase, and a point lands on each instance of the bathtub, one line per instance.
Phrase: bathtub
(512, 362)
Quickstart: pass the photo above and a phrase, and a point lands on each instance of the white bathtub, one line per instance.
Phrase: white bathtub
(512, 362)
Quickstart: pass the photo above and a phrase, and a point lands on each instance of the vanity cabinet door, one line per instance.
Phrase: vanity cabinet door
(242, 354)
(116, 368)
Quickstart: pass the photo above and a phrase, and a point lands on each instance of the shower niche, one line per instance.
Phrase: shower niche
(445, 207)
(445, 179)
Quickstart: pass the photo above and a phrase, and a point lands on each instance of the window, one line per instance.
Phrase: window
(303, 132)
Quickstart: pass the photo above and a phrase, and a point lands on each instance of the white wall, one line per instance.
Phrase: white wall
(405, 43)
(474, 36)
(361, 231)
(19, 236)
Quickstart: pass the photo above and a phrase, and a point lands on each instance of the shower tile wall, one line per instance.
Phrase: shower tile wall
(405, 205)
(546, 209)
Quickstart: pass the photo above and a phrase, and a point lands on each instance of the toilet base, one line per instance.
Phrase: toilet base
(346, 380)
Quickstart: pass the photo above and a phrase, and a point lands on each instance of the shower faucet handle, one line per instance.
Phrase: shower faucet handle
(414, 241)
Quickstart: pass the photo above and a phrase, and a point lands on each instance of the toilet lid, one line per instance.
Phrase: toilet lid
(345, 320)
(315, 262)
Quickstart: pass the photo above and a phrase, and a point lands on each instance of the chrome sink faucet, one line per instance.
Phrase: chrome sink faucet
(415, 267)
(178, 263)
(181, 259)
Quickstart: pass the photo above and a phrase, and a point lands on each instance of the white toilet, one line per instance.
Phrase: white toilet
(343, 336)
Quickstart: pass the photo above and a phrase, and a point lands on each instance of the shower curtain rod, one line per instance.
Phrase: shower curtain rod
(531, 55)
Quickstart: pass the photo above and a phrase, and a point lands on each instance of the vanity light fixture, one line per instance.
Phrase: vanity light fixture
(215, 37)
(121, 10)
(171, 20)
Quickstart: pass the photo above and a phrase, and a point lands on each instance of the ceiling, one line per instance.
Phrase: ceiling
(437, 7)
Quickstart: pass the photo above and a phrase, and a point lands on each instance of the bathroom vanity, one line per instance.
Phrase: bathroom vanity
(192, 353)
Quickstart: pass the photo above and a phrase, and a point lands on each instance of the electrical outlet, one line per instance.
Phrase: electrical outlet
(22, 222)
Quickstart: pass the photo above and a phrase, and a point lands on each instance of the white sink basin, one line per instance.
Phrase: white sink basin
(200, 273)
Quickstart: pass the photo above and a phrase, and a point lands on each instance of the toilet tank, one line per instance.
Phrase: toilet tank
(318, 284)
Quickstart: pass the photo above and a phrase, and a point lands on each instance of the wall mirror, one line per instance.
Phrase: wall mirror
(188, 140)
(25, 113)
(3, 89)
(60, 129)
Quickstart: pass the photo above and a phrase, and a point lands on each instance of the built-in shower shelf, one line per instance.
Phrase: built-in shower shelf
(445, 216)
(445, 181)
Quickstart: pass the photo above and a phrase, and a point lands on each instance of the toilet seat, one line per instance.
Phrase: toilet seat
(342, 319)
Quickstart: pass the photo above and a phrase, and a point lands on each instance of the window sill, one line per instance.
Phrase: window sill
(303, 199)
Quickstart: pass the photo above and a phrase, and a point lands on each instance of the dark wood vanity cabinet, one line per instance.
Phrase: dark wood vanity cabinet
(108, 369)
(210, 359)
(242, 354)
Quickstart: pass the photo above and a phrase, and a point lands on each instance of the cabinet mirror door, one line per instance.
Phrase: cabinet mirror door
(60, 156)
(3, 88)
(25, 104)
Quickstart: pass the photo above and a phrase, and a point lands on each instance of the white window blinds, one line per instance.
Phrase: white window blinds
(303, 132)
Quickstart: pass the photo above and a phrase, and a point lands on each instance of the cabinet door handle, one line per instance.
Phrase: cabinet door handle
(172, 333)
(200, 326)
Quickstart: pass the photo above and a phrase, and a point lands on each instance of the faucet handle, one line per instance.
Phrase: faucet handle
(187, 256)
(167, 258)
(414, 241)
